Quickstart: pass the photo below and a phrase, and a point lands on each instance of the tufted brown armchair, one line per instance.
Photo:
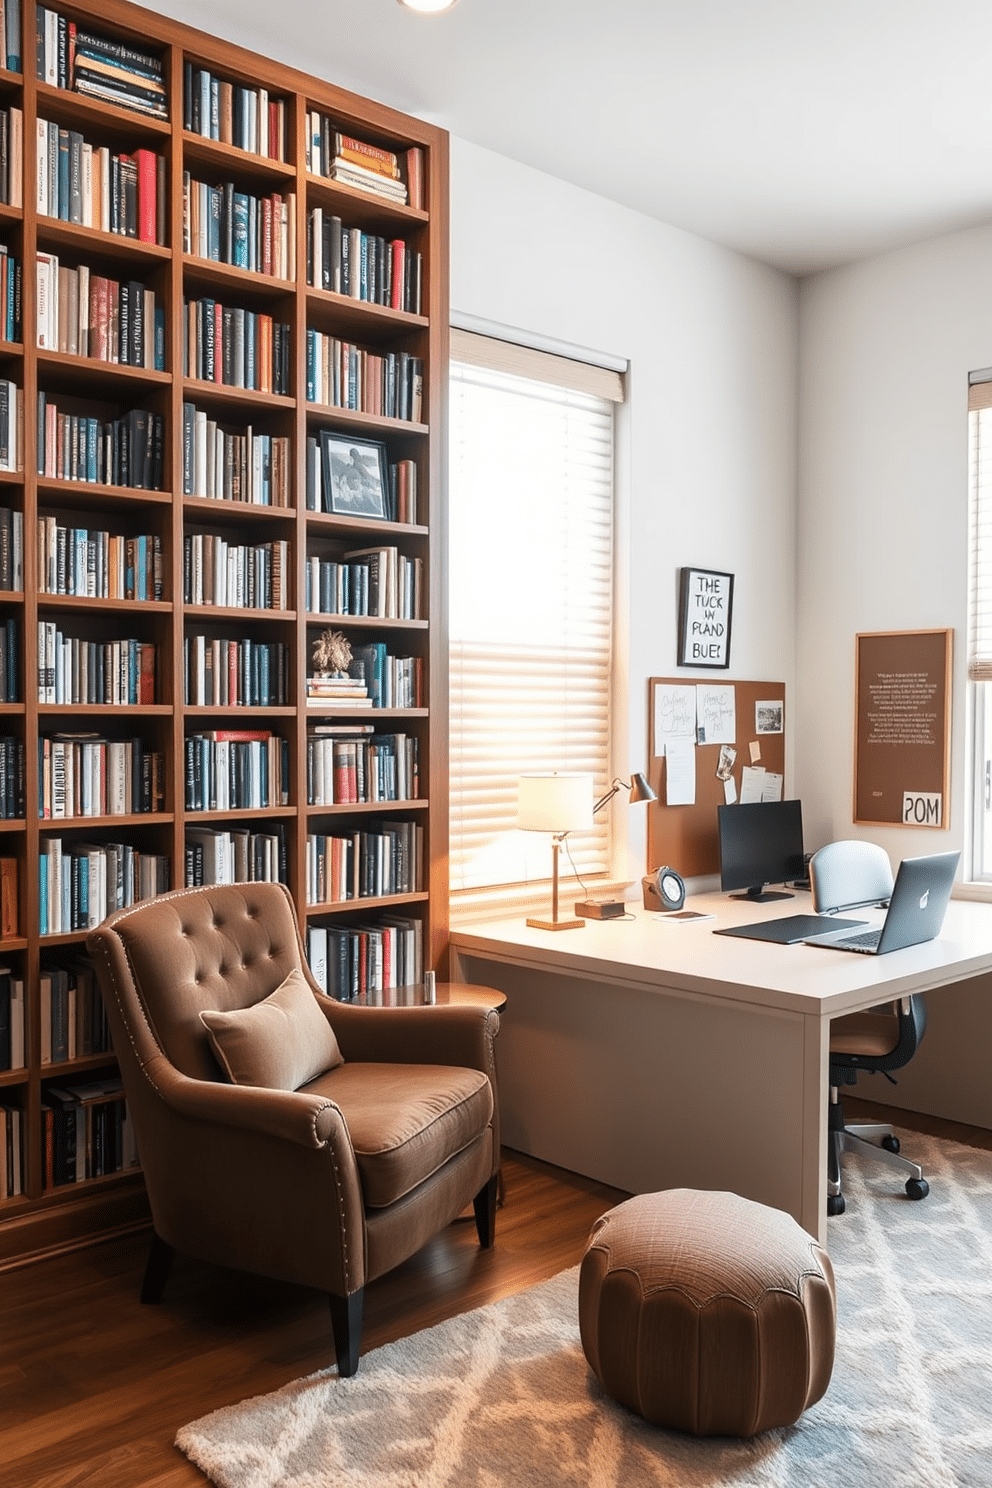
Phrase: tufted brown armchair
(330, 1184)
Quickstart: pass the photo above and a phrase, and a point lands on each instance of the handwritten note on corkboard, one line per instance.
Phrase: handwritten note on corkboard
(902, 728)
(685, 837)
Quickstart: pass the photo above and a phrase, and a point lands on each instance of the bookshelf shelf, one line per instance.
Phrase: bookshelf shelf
(108, 246)
(204, 394)
(326, 415)
(216, 157)
(88, 113)
(123, 403)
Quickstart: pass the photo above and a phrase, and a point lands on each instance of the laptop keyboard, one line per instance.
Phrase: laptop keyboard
(866, 941)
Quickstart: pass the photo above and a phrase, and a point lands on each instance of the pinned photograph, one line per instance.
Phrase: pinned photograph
(768, 718)
(725, 764)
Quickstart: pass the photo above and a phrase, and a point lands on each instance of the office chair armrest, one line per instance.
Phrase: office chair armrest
(290, 1115)
(423, 1035)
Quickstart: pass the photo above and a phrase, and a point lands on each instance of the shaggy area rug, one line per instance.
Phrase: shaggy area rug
(503, 1398)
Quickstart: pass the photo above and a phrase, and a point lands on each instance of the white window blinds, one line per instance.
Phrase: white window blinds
(531, 591)
(980, 517)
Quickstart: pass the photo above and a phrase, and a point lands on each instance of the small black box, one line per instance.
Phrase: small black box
(601, 909)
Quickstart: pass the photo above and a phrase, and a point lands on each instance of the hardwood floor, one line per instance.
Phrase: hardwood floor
(93, 1386)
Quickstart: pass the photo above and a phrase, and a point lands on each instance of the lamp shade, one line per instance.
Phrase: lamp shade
(640, 790)
(555, 803)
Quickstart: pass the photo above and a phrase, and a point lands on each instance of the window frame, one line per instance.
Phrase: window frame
(490, 350)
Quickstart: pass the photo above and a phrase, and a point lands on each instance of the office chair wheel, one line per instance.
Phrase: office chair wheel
(917, 1188)
(890, 1143)
(836, 1204)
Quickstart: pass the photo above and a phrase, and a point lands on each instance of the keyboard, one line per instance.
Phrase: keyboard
(866, 941)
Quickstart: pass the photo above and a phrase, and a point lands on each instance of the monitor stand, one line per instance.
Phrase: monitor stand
(760, 895)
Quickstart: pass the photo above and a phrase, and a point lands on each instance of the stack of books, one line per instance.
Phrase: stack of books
(367, 167)
(336, 692)
(116, 73)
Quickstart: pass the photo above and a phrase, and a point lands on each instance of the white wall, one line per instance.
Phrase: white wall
(886, 346)
(709, 463)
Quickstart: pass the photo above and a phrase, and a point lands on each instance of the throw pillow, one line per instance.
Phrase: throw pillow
(280, 1043)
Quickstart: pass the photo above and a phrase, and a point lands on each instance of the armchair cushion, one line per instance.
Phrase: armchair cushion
(280, 1043)
(406, 1120)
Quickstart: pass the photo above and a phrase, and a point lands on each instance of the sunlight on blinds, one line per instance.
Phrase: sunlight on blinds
(531, 563)
(980, 582)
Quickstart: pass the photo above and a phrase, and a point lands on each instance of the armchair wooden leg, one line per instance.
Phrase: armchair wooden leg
(346, 1320)
(484, 1205)
(157, 1269)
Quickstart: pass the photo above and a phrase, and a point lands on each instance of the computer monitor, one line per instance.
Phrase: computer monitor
(760, 843)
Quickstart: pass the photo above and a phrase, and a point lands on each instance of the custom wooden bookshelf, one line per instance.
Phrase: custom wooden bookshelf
(43, 1219)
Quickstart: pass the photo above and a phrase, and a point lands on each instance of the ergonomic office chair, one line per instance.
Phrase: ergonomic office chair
(850, 875)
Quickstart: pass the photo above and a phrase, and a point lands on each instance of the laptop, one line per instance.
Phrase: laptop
(916, 910)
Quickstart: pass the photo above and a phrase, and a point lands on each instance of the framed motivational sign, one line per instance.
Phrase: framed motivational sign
(902, 728)
(706, 601)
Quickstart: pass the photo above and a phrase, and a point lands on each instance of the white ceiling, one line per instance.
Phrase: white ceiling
(803, 134)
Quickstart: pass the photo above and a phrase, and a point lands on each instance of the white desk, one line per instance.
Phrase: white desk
(652, 1055)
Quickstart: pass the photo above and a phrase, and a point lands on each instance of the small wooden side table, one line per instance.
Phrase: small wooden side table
(450, 993)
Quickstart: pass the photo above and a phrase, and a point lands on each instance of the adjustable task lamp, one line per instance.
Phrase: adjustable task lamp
(612, 909)
(559, 804)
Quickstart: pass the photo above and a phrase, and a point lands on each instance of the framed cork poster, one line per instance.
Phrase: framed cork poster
(902, 728)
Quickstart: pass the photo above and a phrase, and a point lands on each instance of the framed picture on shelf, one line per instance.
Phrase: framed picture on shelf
(706, 602)
(354, 476)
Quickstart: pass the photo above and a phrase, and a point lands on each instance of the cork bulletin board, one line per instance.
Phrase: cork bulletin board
(685, 837)
(902, 728)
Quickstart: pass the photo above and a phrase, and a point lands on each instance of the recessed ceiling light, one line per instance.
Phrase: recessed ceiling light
(429, 7)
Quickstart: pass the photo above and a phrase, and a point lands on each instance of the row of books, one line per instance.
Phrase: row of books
(251, 576)
(216, 856)
(247, 118)
(364, 266)
(68, 57)
(11, 155)
(88, 315)
(346, 768)
(71, 670)
(235, 673)
(10, 34)
(352, 961)
(11, 295)
(73, 1019)
(11, 425)
(235, 347)
(225, 466)
(398, 176)
(392, 681)
(236, 770)
(88, 775)
(11, 1160)
(98, 564)
(80, 883)
(367, 864)
(11, 554)
(234, 227)
(368, 581)
(124, 451)
(12, 796)
(399, 492)
(89, 184)
(10, 660)
(12, 1043)
(86, 1132)
(342, 375)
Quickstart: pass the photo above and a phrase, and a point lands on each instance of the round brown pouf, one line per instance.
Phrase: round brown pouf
(707, 1313)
